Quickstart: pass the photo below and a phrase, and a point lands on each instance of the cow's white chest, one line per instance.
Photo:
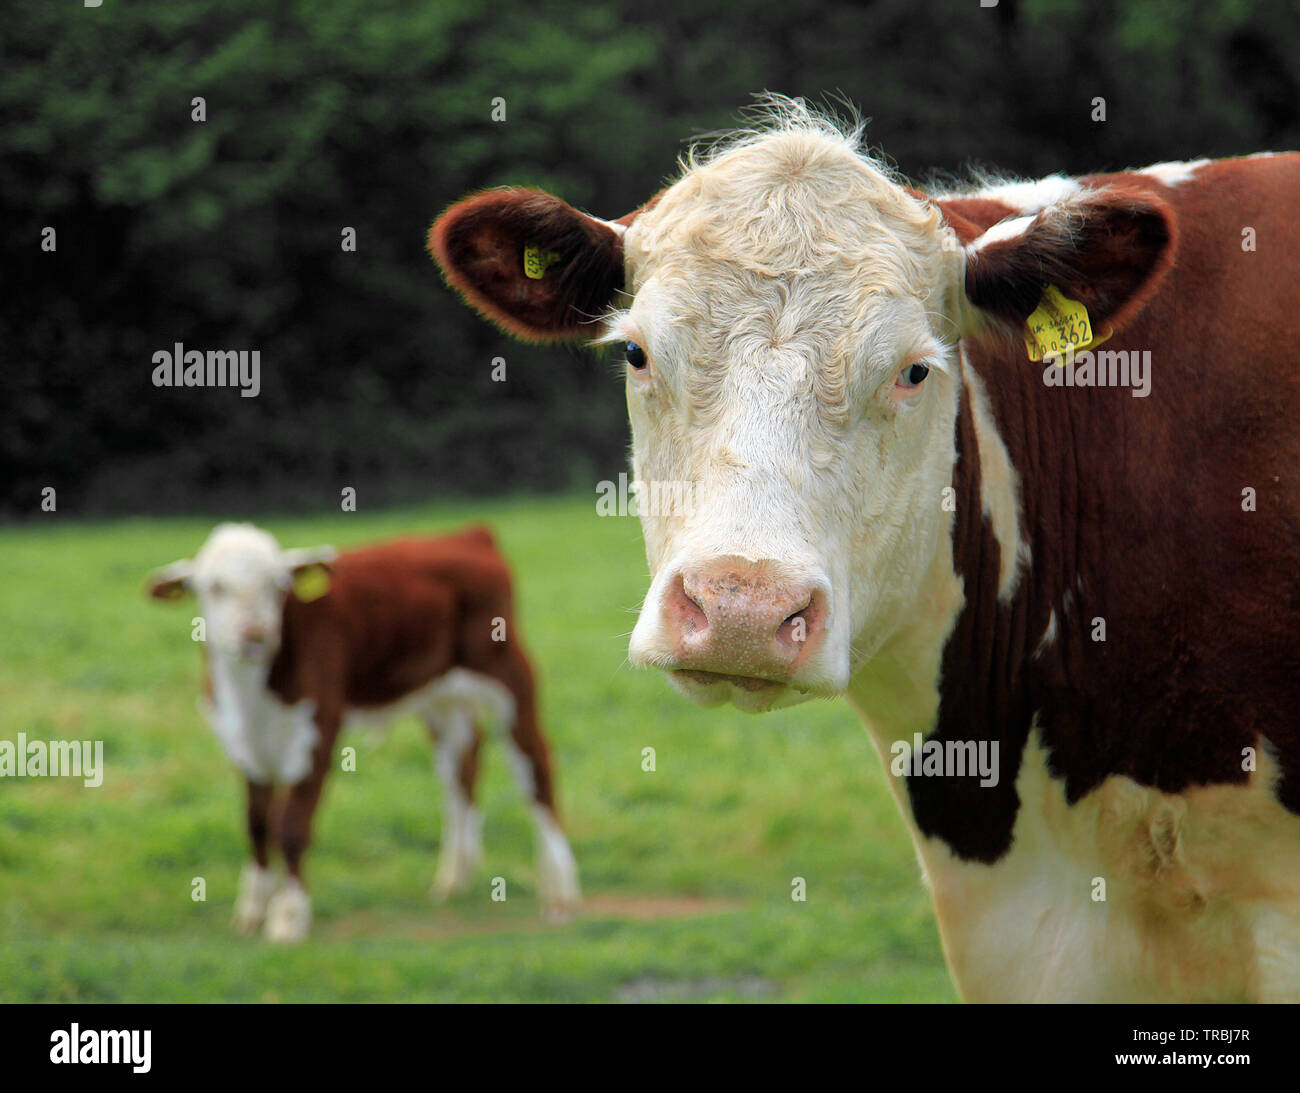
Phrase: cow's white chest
(269, 741)
(272, 742)
(1129, 894)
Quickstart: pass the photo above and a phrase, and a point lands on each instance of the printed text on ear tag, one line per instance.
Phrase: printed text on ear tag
(538, 261)
(1058, 325)
(311, 583)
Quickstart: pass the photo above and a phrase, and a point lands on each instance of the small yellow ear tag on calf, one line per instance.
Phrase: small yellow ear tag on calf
(1058, 325)
(311, 583)
(538, 261)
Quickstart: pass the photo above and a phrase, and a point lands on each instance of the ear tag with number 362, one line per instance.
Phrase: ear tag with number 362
(538, 261)
(1059, 325)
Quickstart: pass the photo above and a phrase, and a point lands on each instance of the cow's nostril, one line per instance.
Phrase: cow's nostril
(802, 629)
(795, 629)
(690, 612)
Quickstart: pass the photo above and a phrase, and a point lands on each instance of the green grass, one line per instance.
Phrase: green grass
(688, 869)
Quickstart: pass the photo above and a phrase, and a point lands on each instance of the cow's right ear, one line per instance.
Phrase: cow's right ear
(529, 262)
(172, 581)
(1106, 249)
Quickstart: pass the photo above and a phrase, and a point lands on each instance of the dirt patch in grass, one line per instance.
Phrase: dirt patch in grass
(443, 922)
(653, 988)
(649, 908)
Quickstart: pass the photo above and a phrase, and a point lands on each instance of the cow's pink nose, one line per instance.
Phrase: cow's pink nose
(739, 619)
(253, 635)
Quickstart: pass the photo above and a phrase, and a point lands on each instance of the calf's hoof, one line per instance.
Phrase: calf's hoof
(288, 915)
(453, 876)
(445, 885)
(557, 871)
(557, 914)
(459, 859)
(256, 886)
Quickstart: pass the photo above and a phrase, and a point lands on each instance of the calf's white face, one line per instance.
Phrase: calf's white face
(241, 578)
(791, 377)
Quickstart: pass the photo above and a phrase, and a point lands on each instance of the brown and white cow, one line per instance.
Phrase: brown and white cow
(421, 626)
(1094, 595)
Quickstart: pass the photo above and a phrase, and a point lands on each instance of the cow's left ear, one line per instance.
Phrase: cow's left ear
(1105, 248)
(535, 266)
(171, 582)
(303, 558)
(309, 571)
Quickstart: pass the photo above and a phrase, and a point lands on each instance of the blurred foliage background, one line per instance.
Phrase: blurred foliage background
(375, 114)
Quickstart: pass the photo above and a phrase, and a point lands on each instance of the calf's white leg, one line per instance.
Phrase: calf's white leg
(557, 869)
(462, 830)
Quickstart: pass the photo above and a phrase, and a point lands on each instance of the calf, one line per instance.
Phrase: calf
(1014, 470)
(418, 626)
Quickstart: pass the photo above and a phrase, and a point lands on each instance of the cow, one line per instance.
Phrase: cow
(302, 643)
(1067, 611)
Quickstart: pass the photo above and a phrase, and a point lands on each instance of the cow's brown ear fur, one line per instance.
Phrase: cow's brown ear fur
(1107, 249)
(171, 582)
(480, 244)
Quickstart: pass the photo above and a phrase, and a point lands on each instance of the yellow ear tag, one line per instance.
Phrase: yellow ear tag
(311, 583)
(1059, 325)
(538, 261)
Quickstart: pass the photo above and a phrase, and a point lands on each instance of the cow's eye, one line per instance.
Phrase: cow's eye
(635, 356)
(913, 375)
(218, 589)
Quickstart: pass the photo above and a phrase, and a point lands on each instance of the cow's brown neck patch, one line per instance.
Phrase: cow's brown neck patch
(982, 696)
(1149, 637)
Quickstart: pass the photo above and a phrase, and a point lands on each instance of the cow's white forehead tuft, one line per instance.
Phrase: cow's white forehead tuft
(780, 249)
(238, 551)
(797, 197)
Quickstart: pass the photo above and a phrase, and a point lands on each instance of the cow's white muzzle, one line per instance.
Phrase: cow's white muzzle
(755, 633)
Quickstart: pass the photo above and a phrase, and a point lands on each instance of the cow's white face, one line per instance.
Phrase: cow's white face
(241, 578)
(792, 375)
(792, 378)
